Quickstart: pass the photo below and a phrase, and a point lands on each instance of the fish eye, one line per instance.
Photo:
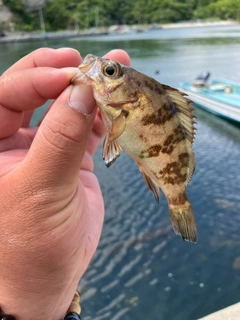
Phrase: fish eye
(112, 70)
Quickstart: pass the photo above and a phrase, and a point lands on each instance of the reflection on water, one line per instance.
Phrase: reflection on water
(141, 270)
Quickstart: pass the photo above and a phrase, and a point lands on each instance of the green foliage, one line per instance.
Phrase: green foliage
(57, 15)
(73, 14)
(15, 5)
(224, 9)
(22, 20)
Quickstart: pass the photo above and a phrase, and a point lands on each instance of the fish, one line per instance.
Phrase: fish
(154, 124)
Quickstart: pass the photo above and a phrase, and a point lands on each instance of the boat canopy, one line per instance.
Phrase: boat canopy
(201, 80)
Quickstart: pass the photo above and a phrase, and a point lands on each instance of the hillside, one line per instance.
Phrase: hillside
(72, 14)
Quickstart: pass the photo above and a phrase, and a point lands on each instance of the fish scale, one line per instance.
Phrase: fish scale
(153, 124)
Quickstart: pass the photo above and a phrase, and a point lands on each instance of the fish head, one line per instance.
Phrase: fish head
(109, 80)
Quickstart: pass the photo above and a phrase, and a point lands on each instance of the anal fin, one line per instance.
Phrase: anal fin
(151, 185)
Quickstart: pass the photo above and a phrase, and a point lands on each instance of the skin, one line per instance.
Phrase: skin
(51, 207)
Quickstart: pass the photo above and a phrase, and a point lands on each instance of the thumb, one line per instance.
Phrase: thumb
(58, 148)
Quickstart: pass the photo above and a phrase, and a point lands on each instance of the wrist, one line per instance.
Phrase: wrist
(72, 313)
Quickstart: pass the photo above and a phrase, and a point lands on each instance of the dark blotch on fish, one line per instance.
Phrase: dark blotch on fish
(152, 151)
(125, 113)
(171, 173)
(160, 117)
(172, 140)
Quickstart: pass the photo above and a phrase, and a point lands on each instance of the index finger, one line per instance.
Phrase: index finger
(26, 90)
(47, 57)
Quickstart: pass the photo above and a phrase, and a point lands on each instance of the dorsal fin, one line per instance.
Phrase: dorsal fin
(184, 111)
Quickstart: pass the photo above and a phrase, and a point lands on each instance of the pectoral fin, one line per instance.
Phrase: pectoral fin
(151, 185)
(118, 127)
(111, 151)
(111, 148)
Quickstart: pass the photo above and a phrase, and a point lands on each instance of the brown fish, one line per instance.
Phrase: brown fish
(153, 124)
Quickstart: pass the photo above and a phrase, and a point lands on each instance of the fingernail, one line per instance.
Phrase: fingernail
(81, 99)
(70, 72)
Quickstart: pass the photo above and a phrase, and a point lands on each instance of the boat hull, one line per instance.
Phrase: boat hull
(216, 107)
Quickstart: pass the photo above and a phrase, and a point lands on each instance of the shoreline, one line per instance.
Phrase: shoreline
(24, 37)
(200, 24)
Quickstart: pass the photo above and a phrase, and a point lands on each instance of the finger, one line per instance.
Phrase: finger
(46, 57)
(26, 90)
(119, 55)
(60, 143)
(33, 85)
(27, 116)
(45, 113)
(20, 140)
(98, 132)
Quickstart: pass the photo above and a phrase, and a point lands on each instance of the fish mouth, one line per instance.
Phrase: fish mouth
(82, 75)
(87, 63)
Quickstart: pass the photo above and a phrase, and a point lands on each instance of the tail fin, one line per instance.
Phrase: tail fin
(183, 221)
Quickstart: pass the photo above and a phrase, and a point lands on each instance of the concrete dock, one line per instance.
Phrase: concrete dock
(229, 313)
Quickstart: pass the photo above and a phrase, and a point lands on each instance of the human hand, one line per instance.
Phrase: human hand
(51, 205)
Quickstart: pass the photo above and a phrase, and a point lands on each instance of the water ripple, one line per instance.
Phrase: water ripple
(112, 304)
(120, 313)
(110, 285)
(129, 266)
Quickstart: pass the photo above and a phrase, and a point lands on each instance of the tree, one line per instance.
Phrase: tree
(21, 19)
(69, 14)
(224, 9)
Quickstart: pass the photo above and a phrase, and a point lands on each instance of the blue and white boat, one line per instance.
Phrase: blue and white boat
(220, 96)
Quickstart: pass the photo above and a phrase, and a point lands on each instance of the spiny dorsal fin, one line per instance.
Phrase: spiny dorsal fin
(184, 111)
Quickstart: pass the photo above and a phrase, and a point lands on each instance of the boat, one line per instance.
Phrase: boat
(219, 96)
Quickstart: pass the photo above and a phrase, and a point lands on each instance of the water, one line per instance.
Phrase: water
(141, 270)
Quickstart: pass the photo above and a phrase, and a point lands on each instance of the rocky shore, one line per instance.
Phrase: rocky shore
(26, 37)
